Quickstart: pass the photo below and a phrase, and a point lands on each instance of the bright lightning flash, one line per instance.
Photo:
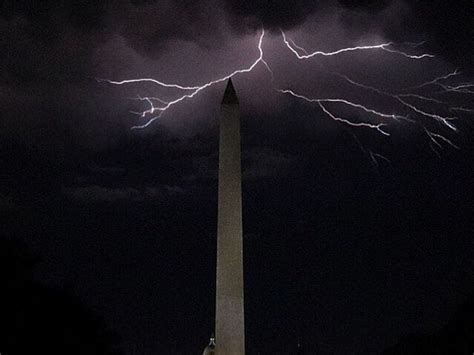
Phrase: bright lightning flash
(192, 90)
(406, 104)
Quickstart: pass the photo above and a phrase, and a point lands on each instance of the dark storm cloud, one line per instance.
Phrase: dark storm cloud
(149, 26)
(447, 25)
(96, 193)
(270, 14)
(288, 14)
(368, 5)
(51, 51)
(48, 41)
(54, 41)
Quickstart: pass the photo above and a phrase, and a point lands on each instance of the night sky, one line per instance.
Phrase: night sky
(343, 253)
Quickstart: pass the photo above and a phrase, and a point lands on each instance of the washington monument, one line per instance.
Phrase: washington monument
(229, 332)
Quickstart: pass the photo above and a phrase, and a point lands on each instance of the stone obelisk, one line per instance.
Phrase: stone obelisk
(230, 334)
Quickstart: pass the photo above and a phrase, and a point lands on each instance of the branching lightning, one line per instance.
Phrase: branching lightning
(407, 104)
(194, 90)
(320, 102)
(388, 47)
(401, 100)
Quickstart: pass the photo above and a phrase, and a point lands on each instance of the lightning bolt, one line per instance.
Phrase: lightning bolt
(192, 90)
(320, 102)
(407, 103)
(436, 81)
(402, 98)
(382, 46)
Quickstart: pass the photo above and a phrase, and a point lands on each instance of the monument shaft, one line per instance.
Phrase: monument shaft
(230, 333)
